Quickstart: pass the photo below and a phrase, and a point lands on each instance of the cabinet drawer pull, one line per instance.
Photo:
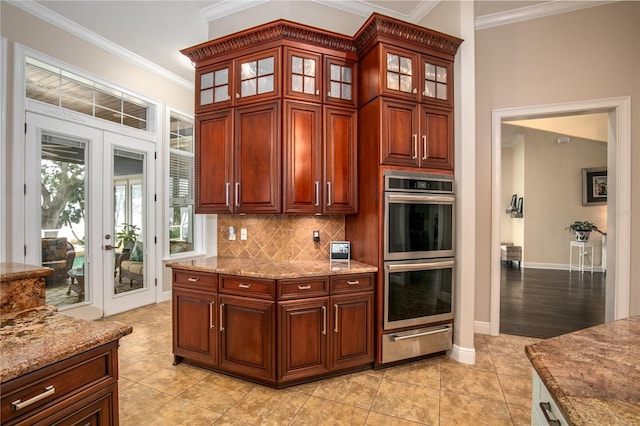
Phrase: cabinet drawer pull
(221, 326)
(192, 280)
(335, 324)
(324, 320)
(304, 287)
(19, 405)
(244, 285)
(237, 95)
(356, 282)
(546, 409)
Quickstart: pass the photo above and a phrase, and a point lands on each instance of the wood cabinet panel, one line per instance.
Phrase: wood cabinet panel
(436, 138)
(302, 338)
(195, 325)
(351, 283)
(247, 337)
(214, 162)
(196, 280)
(352, 325)
(214, 87)
(340, 82)
(246, 286)
(340, 161)
(303, 75)
(399, 142)
(302, 158)
(258, 76)
(300, 288)
(257, 160)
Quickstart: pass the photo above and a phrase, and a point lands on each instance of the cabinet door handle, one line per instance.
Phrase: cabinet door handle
(324, 320)
(356, 282)
(335, 324)
(415, 145)
(241, 285)
(304, 287)
(237, 95)
(317, 185)
(19, 405)
(328, 193)
(237, 194)
(221, 326)
(546, 409)
(424, 147)
(211, 324)
(317, 91)
(226, 193)
(415, 91)
(192, 280)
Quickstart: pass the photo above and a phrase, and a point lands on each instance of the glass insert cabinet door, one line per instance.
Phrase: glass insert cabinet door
(258, 75)
(302, 74)
(214, 85)
(435, 81)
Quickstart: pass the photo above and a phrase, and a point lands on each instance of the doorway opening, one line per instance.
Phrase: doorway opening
(616, 262)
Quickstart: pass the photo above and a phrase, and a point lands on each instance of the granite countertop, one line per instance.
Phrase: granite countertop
(10, 271)
(38, 337)
(272, 269)
(593, 374)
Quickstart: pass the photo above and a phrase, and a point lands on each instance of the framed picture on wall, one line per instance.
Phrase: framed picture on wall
(594, 186)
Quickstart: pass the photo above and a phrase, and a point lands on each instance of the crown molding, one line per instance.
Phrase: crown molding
(228, 7)
(65, 24)
(533, 12)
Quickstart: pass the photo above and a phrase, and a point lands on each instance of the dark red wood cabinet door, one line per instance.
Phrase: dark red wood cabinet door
(194, 325)
(302, 338)
(352, 330)
(399, 144)
(256, 185)
(340, 160)
(436, 138)
(302, 168)
(214, 162)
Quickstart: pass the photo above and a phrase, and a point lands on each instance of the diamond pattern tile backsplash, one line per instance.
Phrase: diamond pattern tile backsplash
(279, 237)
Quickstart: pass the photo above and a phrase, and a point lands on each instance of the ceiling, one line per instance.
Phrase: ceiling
(153, 31)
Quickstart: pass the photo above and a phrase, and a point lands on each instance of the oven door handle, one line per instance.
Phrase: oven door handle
(445, 199)
(445, 329)
(400, 267)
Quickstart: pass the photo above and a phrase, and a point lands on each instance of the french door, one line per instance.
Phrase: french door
(89, 212)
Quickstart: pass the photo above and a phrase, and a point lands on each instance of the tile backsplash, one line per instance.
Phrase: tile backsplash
(279, 237)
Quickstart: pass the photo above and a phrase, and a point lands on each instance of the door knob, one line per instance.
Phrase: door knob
(108, 247)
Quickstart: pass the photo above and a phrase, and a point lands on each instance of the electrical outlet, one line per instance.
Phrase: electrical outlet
(243, 233)
(232, 233)
(316, 236)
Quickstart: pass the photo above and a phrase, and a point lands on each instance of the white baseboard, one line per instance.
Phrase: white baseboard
(164, 296)
(555, 266)
(463, 355)
(482, 327)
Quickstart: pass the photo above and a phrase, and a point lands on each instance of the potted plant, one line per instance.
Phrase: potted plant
(127, 236)
(582, 229)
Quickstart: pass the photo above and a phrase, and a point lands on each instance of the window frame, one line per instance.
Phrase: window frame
(199, 224)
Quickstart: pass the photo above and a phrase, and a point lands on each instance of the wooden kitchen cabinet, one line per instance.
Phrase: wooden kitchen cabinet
(195, 325)
(415, 135)
(340, 160)
(214, 172)
(303, 75)
(82, 387)
(247, 337)
(340, 82)
(214, 87)
(258, 76)
(352, 330)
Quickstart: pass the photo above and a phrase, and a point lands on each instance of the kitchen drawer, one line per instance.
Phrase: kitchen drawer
(251, 287)
(544, 410)
(64, 382)
(303, 288)
(196, 280)
(351, 283)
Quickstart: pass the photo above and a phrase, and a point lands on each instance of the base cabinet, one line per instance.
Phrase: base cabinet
(294, 334)
(544, 410)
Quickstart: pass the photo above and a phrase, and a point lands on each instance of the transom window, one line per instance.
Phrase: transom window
(55, 86)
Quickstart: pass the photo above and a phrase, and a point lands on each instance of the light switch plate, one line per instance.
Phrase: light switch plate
(243, 233)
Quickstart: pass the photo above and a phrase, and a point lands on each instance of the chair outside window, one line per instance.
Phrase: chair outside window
(57, 254)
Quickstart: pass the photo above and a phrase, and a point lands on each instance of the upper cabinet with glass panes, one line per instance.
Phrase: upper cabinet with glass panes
(400, 76)
(257, 76)
(213, 86)
(303, 72)
(436, 81)
(340, 81)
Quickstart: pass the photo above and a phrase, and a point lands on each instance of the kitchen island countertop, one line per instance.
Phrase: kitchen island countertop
(593, 374)
(272, 269)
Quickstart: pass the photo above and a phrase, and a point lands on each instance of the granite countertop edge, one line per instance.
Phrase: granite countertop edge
(54, 341)
(571, 367)
(271, 269)
(12, 271)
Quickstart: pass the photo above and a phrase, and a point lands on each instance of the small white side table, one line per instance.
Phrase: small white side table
(582, 246)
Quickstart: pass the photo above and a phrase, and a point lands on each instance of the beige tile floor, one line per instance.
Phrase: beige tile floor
(494, 391)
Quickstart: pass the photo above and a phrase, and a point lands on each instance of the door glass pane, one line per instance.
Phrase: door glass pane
(129, 220)
(63, 176)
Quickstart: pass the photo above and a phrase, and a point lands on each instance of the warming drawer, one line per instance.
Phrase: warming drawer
(413, 343)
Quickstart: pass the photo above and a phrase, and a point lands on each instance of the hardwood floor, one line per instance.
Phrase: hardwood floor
(545, 303)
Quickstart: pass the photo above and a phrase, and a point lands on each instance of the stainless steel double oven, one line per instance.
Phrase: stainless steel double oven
(419, 265)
